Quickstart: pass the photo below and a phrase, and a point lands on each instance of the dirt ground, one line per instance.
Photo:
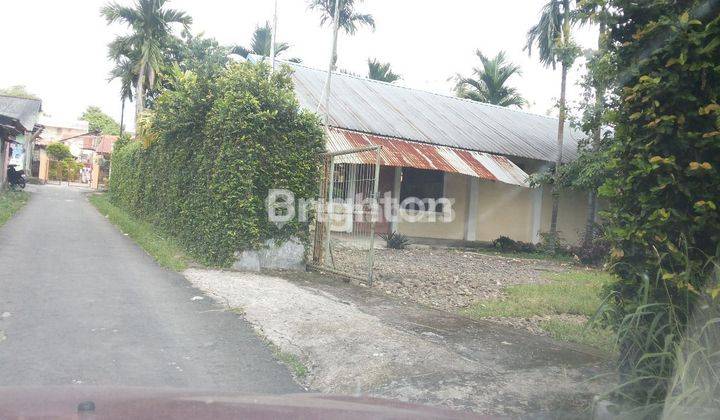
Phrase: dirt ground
(358, 340)
(447, 279)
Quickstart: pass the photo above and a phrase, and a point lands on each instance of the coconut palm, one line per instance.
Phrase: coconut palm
(381, 71)
(261, 43)
(347, 19)
(151, 31)
(124, 70)
(488, 83)
(552, 37)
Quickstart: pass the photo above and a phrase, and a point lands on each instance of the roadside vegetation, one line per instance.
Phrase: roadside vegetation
(166, 251)
(10, 202)
(575, 293)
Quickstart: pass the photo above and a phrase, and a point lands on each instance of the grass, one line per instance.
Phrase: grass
(165, 250)
(572, 293)
(10, 202)
(290, 360)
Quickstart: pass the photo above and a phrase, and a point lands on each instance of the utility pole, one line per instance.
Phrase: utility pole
(273, 39)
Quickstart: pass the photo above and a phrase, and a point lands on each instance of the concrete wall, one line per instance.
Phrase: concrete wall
(502, 210)
(456, 187)
(572, 214)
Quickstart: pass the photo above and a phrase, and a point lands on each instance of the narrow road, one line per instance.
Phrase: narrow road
(82, 304)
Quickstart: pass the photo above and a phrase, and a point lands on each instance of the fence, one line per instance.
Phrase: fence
(347, 213)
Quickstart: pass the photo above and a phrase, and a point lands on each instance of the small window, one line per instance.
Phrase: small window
(423, 184)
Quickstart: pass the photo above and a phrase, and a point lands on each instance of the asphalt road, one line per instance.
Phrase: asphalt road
(82, 304)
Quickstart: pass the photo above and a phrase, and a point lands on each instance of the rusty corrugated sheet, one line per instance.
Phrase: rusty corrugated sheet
(399, 152)
(386, 109)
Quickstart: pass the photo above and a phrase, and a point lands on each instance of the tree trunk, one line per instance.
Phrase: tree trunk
(140, 92)
(597, 137)
(333, 62)
(558, 161)
(122, 116)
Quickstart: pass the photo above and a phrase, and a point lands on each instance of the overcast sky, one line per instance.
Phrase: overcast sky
(58, 48)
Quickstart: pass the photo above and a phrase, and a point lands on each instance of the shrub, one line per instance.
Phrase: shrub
(396, 240)
(663, 221)
(212, 149)
(597, 252)
(58, 151)
(506, 244)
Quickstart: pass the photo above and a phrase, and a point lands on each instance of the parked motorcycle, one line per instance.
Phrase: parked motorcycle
(16, 178)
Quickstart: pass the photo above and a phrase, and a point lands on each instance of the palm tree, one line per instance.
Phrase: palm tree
(553, 38)
(488, 84)
(381, 71)
(125, 71)
(347, 19)
(261, 43)
(151, 32)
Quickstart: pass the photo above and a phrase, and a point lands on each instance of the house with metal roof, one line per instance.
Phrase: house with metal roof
(479, 155)
(18, 124)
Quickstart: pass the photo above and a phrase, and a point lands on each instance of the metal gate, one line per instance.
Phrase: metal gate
(344, 233)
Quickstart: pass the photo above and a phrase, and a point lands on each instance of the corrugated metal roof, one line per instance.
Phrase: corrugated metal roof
(386, 109)
(399, 152)
(19, 112)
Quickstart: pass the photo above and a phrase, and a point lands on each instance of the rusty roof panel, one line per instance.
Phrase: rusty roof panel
(399, 152)
(394, 111)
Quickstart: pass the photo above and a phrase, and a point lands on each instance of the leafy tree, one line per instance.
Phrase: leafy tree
(100, 121)
(19, 91)
(663, 218)
(381, 71)
(552, 35)
(58, 151)
(489, 82)
(151, 32)
(261, 43)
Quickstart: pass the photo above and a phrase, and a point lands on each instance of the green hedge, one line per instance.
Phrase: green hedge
(210, 151)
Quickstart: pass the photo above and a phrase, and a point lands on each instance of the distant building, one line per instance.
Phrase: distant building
(18, 125)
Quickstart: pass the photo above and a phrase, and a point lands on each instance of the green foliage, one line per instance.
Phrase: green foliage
(396, 240)
(10, 202)
(381, 71)
(18, 91)
(58, 151)
(489, 82)
(663, 192)
(506, 244)
(261, 43)
(66, 169)
(100, 121)
(349, 20)
(215, 146)
(164, 249)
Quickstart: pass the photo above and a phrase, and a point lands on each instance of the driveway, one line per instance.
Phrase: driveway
(82, 304)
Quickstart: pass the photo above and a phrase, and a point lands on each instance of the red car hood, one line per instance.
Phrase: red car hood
(141, 403)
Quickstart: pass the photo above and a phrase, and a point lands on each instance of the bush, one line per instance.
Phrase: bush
(213, 148)
(505, 244)
(663, 221)
(396, 240)
(596, 253)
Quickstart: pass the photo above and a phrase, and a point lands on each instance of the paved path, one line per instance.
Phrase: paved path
(82, 304)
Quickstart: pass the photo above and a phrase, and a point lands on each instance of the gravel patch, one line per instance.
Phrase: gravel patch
(446, 279)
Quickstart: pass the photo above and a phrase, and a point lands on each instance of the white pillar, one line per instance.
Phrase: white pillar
(536, 222)
(395, 196)
(473, 204)
(350, 198)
